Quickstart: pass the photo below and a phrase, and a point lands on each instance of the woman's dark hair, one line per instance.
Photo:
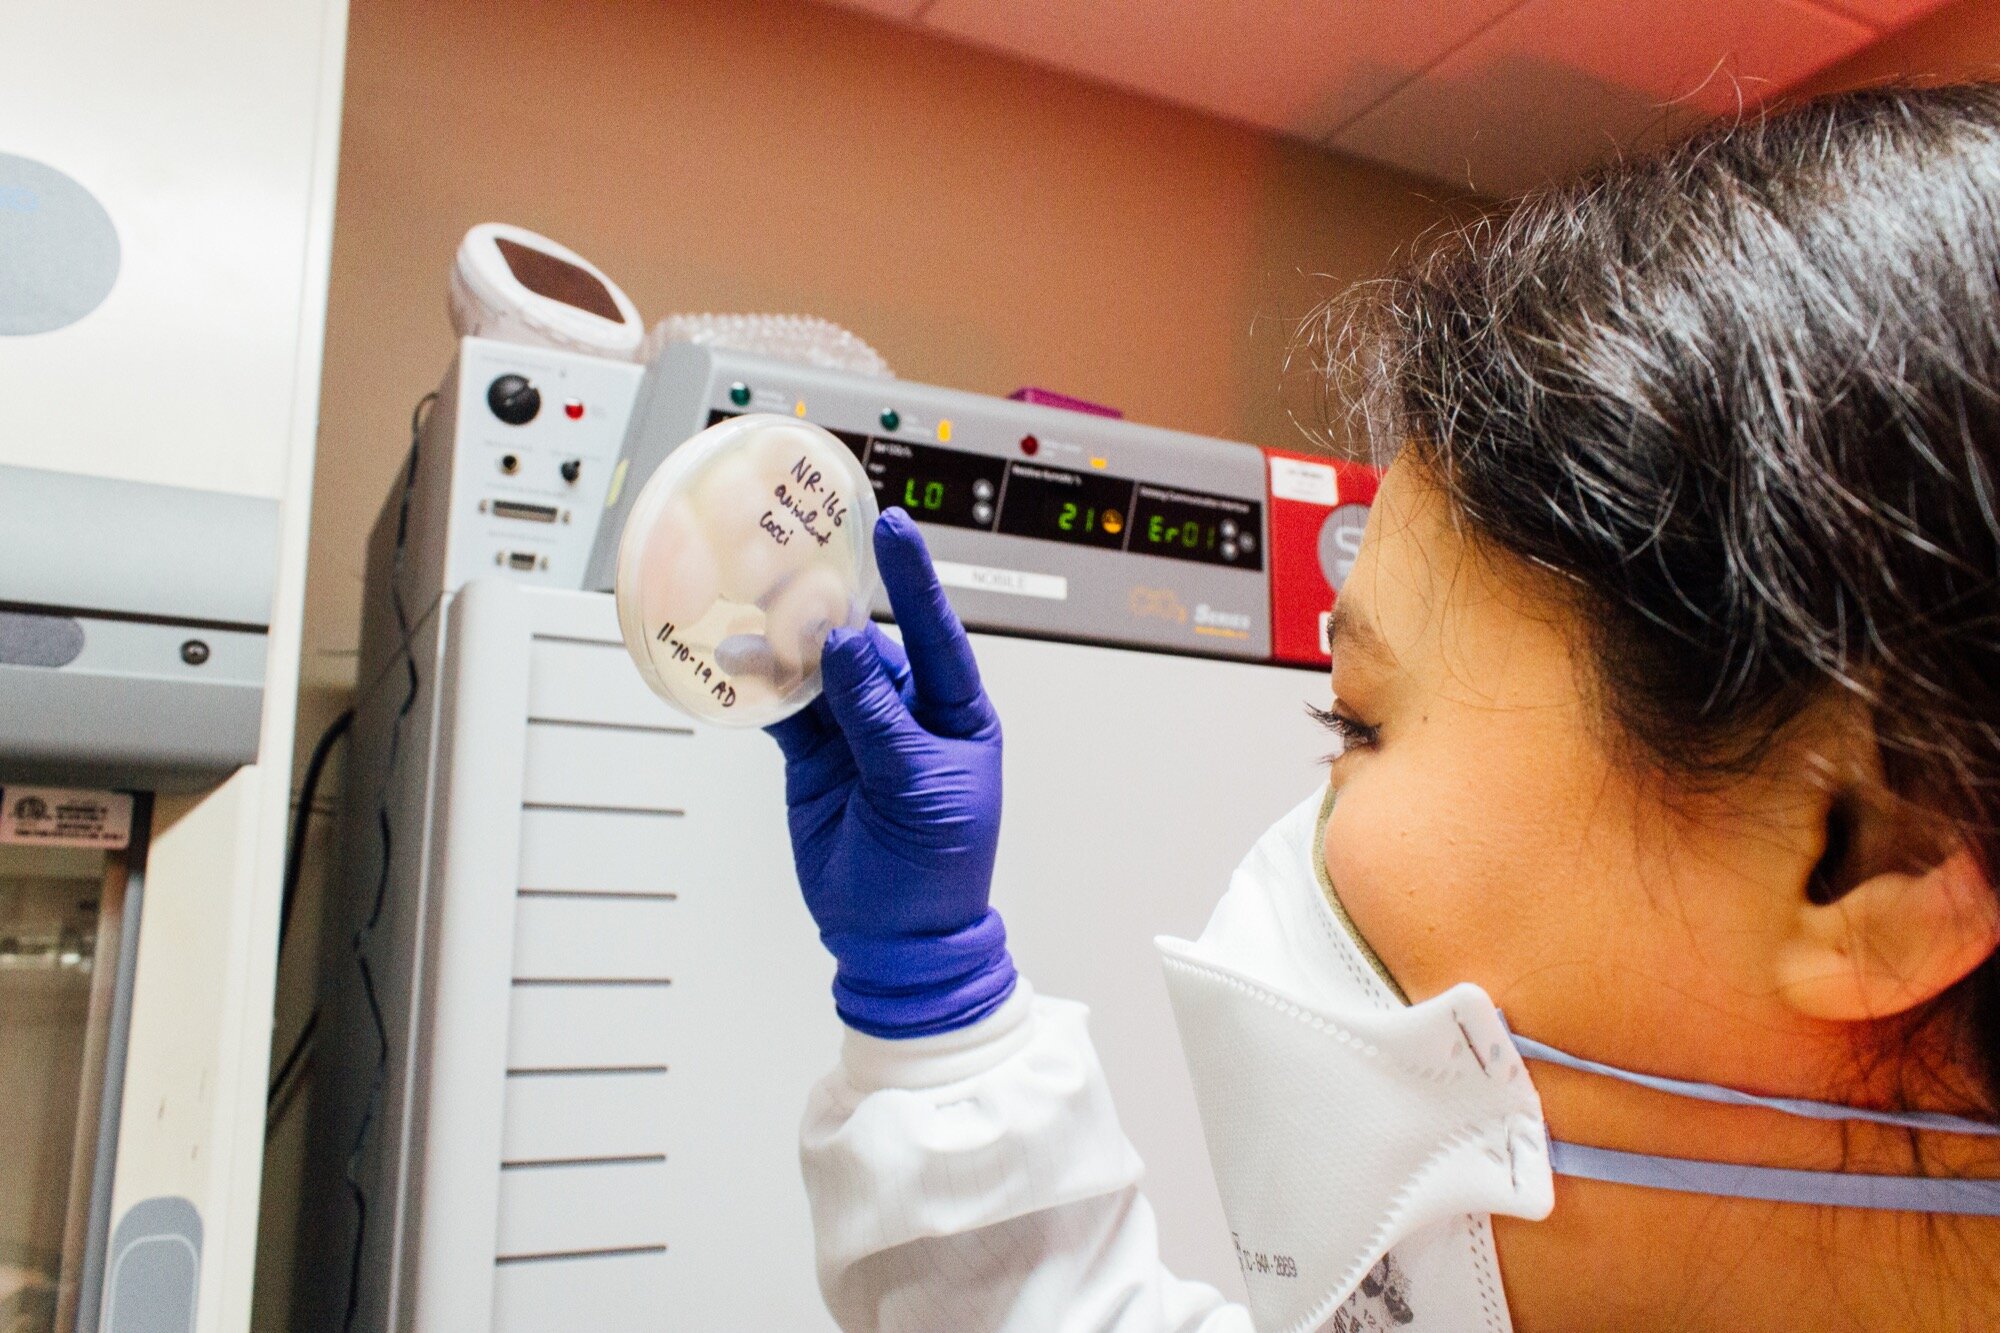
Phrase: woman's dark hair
(1743, 399)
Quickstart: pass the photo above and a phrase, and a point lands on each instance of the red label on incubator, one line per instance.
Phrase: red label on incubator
(1319, 506)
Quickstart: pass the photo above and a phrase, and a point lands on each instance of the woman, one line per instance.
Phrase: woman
(1665, 689)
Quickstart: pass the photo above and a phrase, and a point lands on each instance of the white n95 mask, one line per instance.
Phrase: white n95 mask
(1360, 1143)
(1341, 1122)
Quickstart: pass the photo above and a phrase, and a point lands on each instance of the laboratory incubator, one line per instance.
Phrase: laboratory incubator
(572, 1004)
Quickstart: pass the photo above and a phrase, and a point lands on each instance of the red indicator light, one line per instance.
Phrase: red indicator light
(573, 410)
(1030, 445)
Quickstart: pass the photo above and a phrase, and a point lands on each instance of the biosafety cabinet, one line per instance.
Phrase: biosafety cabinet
(166, 187)
(571, 1002)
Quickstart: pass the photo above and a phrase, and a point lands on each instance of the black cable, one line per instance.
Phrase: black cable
(285, 1068)
(359, 942)
(295, 855)
(295, 859)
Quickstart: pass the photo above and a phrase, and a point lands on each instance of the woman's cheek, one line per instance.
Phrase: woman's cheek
(1362, 861)
(1382, 857)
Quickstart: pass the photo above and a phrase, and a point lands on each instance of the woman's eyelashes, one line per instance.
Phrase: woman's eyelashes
(1348, 730)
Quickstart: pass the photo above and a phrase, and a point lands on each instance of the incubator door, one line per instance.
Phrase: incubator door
(62, 917)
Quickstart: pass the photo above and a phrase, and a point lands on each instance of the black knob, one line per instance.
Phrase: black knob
(514, 400)
(572, 469)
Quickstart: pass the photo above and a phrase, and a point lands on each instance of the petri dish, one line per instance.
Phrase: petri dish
(743, 550)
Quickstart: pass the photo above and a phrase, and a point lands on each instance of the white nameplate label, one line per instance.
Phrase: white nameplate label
(1014, 582)
(1314, 483)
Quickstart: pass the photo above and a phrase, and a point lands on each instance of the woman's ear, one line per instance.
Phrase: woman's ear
(1875, 936)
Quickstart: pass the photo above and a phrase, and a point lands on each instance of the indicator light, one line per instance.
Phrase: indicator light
(891, 418)
(799, 408)
(1030, 445)
(573, 410)
(944, 431)
(1100, 463)
(739, 394)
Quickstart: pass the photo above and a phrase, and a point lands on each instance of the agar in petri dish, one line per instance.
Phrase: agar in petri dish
(748, 545)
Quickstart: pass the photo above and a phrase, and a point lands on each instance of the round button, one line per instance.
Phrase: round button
(573, 410)
(194, 652)
(982, 512)
(1229, 527)
(514, 400)
(1229, 550)
(1246, 541)
(891, 418)
(739, 394)
(982, 489)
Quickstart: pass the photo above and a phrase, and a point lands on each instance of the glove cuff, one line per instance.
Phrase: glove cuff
(922, 986)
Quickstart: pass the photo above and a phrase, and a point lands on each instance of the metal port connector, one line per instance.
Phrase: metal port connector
(526, 512)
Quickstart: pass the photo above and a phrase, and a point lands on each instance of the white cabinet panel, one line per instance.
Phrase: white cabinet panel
(195, 127)
(611, 767)
(570, 1209)
(589, 1027)
(568, 1117)
(569, 938)
(593, 851)
(601, 1293)
(593, 680)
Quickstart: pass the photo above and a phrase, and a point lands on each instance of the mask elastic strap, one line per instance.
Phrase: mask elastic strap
(1912, 1194)
(1840, 1189)
(1936, 1121)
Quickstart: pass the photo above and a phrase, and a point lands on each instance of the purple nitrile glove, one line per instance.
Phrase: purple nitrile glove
(892, 783)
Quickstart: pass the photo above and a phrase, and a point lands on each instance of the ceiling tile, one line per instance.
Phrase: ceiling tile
(902, 10)
(1302, 67)
(1560, 84)
(1884, 14)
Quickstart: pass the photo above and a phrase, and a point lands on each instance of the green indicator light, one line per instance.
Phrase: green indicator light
(739, 394)
(891, 418)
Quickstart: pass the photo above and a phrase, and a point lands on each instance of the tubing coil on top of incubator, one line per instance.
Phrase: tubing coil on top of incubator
(747, 546)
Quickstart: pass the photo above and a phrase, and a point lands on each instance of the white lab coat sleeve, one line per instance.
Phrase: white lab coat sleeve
(979, 1181)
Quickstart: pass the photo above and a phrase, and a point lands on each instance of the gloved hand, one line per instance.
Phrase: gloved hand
(892, 783)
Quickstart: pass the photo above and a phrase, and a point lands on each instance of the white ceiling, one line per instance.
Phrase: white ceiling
(1495, 94)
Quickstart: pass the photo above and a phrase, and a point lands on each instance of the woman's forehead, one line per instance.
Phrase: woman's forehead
(1428, 599)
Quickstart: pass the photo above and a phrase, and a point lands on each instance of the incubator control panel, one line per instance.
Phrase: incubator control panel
(510, 467)
(1042, 521)
(536, 432)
